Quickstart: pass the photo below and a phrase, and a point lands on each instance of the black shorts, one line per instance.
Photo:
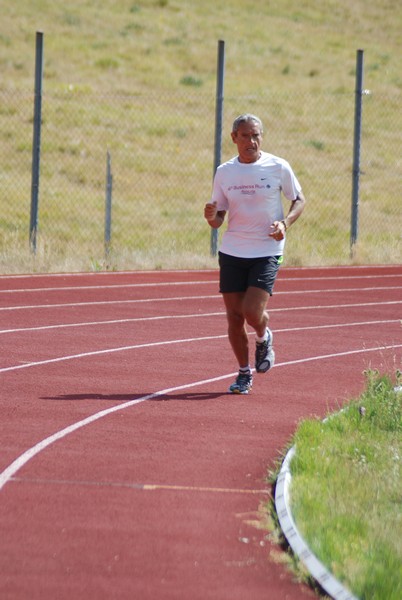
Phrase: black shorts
(237, 274)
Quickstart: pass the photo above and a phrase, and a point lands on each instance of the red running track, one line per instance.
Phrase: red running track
(126, 469)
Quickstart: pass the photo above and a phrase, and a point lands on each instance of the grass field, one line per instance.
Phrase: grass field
(139, 79)
(346, 490)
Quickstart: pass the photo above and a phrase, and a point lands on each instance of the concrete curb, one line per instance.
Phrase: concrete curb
(320, 573)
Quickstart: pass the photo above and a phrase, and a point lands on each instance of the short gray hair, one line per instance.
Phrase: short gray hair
(246, 118)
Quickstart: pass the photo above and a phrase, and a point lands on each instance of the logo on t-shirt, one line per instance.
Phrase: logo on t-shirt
(248, 189)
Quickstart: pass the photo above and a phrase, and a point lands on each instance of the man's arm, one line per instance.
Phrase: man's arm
(295, 210)
(214, 217)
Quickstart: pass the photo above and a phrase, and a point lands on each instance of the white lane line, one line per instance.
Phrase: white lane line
(109, 302)
(115, 274)
(336, 354)
(21, 460)
(324, 306)
(112, 322)
(193, 298)
(139, 346)
(109, 351)
(165, 317)
(176, 283)
(154, 344)
(109, 287)
(336, 325)
(110, 274)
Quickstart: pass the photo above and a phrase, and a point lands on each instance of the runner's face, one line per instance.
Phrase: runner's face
(248, 139)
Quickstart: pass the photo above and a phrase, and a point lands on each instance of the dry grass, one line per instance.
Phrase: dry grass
(139, 78)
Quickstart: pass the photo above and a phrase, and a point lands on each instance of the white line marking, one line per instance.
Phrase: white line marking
(183, 298)
(112, 322)
(108, 302)
(335, 355)
(115, 273)
(344, 269)
(176, 283)
(166, 342)
(109, 287)
(164, 317)
(290, 308)
(21, 460)
(109, 350)
(133, 347)
(324, 306)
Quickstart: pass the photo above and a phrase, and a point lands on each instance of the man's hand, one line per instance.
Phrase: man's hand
(278, 230)
(210, 211)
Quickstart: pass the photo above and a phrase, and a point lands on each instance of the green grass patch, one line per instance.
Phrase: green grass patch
(346, 490)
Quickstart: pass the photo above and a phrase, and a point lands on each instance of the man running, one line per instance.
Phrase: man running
(249, 187)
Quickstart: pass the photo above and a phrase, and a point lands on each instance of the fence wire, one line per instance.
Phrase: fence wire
(161, 148)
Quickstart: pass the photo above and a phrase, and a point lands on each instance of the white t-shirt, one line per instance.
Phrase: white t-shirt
(251, 194)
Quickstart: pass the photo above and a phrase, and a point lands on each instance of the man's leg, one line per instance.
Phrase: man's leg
(239, 341)
(254, 309)
(237, 332)
(256, 314)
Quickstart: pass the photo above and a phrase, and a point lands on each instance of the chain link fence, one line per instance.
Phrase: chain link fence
(161, 148)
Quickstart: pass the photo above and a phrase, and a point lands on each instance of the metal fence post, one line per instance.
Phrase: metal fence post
(33, 227)
(218, 127)
(108, 207)
(356, 151)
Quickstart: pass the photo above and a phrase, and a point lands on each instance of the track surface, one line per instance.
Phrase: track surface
(126, 470)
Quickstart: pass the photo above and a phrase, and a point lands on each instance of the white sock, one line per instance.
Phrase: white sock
(263, 339)
(245, 369)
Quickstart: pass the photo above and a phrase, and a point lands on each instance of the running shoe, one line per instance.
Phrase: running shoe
(264, 354)
(243, 384)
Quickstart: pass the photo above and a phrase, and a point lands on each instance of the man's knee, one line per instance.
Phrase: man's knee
(255, 317)
(235, 320)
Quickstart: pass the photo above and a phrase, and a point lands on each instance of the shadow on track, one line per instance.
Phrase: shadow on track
(128, 397)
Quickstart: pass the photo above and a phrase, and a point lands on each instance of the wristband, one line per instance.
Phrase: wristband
(284, 224)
